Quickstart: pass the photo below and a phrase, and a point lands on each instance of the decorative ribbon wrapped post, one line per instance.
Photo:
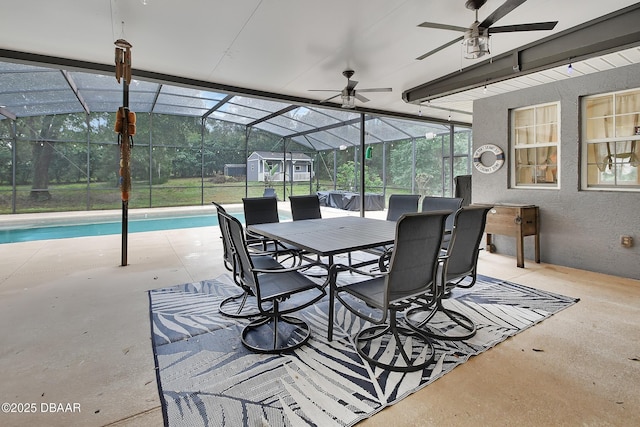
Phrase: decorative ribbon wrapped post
(125, 127)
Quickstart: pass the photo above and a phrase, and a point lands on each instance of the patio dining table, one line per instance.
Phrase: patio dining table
(328, 237)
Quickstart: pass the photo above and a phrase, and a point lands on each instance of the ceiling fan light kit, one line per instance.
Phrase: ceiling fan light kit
(348, 101)
(475, 43)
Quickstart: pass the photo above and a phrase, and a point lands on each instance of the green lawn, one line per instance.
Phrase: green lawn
(176, 192)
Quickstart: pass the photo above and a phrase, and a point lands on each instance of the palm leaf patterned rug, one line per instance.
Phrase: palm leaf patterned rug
(207, 378)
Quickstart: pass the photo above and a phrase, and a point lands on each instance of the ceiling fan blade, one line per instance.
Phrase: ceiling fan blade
(421, 57)
(377, 89)
(351, 84)
(500, 12)
(330, 98)
(360, 97)
(442, 26)
(535, 26)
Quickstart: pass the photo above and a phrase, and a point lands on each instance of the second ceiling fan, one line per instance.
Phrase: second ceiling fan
(349, 94)
(475, 39)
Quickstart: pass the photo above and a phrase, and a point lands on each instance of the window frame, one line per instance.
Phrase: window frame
(514, 145)
(585, 141)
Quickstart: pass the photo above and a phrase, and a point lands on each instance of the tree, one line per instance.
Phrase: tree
(46, 131)
(346, 177)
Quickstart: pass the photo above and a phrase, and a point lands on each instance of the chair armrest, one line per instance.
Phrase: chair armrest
(286, 270)
(337, 268)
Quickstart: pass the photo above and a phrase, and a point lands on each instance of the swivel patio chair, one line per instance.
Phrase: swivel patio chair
(236, 305)
(459, 270)
(227, 253)
(305, 207)
(278, 292)
(264, 210)
(433, 203)
(413, 272)
(400, 204)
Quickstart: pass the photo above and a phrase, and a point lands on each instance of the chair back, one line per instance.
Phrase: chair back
(462, 188)
(227, 251)
(463, 250)
(260, 210)
(400, 204)
(414, 263)
(243, 267)
(305, 207)
(432, 203)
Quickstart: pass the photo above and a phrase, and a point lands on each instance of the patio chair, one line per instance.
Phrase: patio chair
(400, 204)
(462, 188)
(413, 272)
(236, 305)
(278, 292)
(461, 263)
(264, 210)
(305, 207)
(227, 253)
(433, 203)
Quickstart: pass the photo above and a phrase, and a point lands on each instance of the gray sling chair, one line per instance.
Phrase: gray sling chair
(263, 210)
(278, 292)
(305, 207)
(461, 263)
(227, 254)
(413, 272)
(236, 305)
(432, 203)
(399, 204)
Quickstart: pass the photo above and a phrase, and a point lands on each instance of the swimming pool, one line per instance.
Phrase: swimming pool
(106, 228)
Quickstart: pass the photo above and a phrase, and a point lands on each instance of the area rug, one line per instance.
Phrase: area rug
(207, 378)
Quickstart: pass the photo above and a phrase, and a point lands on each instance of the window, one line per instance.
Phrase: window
(535, 146)
(611, 141)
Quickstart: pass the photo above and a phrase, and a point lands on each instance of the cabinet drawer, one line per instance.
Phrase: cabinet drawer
(509, 220)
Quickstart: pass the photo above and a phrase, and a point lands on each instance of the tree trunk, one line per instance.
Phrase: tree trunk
(42, 156)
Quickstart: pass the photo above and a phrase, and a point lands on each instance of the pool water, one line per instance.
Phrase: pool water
(106, 228)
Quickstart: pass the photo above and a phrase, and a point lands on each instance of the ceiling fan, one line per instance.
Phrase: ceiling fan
(349, 93)
(475, 40)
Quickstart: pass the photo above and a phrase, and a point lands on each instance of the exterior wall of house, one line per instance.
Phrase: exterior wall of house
(579, 229)
(253, 169)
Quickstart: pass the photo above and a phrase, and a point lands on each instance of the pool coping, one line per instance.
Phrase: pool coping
(48, 219)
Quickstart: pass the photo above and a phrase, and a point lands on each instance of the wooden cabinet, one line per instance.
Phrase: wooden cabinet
(516, 221)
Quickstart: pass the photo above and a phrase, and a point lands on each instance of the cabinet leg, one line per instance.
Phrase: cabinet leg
(489, 246)
(520, 249)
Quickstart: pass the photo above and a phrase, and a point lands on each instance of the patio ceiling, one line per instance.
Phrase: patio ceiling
(253, 62)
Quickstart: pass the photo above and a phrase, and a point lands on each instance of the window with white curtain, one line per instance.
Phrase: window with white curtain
(611, 141)
(535, 142)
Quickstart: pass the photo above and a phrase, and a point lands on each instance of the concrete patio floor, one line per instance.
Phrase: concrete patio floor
(75, 331)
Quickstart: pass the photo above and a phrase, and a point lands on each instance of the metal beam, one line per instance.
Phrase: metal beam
(610, 33)
(74, 88)
(272, 115)
(8, 114)
(217, 106)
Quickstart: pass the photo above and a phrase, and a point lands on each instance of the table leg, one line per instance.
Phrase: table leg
(331, 301)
